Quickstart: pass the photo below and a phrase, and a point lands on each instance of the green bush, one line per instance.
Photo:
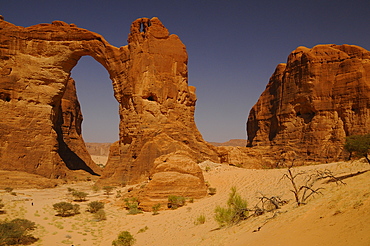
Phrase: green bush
(175, 202)
(156, 208)
(65, 209)
(79, 195)
(95, 206)
(201, 219)
(124, 239)
(358, 145)
(107, 190)
(17, 232)
(235, 212)
(132, 206)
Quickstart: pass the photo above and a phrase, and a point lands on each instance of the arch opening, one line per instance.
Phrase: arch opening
(99, 124)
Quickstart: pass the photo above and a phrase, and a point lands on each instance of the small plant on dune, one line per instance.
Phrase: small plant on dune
(16, 232)
(156, 208)
(79, 196)
(235, 211)
(175, 202)
(124, 239)
(132, 206)
(201, 219)
(100, 215)
(108, 190)
(143, 230)
(95, 206)
(65, 209)
(95, 188)
(212, 191)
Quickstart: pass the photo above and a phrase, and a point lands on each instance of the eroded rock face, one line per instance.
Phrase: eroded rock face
(156, 104)
(40, 124)
(313, 102)
(173, 174)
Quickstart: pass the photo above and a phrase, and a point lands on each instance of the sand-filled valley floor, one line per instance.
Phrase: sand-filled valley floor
(338, 216)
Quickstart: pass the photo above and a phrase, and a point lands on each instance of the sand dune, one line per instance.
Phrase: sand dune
(337, 217)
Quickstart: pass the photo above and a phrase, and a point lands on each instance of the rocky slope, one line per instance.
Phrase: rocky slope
(311, 103)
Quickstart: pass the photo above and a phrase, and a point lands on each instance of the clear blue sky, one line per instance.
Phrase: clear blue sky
(233, 46)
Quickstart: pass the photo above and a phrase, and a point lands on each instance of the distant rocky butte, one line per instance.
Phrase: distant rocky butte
(40, 127)
(311, 103)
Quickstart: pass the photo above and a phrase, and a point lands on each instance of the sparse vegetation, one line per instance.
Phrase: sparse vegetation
(95, 188)
(17, 232)
(65, 209)
(1, 205)
(100, 215)
(175, 202)
(359, 145)
(95, 206)
(304, 183)
(132, 205)
(143, 229)
(201, 219)
(79, 196)
(108, 190)
(212, 191)
(156, 208)
(235, 211)
(124, 239)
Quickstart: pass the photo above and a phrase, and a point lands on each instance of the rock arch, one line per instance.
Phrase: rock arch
(37, 99)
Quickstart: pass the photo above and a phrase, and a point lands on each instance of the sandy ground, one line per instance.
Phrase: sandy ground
(340, 216)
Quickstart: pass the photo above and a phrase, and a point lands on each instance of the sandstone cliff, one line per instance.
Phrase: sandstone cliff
(311, 103)
(40, 127)
(156, 104)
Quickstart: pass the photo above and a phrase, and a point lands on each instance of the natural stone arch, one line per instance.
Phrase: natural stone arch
(149, 78)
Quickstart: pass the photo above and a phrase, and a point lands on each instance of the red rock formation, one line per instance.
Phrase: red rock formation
(173, 174)
(149, 78)
(156, 104)
(313, 102)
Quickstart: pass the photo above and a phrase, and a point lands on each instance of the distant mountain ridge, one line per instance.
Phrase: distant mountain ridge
(231, 142)
(100, 149)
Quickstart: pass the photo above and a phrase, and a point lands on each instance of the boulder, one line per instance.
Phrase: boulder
(173, 174)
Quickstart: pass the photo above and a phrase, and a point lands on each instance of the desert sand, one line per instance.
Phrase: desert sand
(338, 216)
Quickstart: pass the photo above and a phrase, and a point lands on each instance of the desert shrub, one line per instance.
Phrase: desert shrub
(235, 211)
(143, 229)
(79, 195)
(17, 232)
(95, 188)
(8, 189)
(358, 145)
(95, 206)
(1, 204)
(156, 208)
(124, 239)
(201, 219)
(108, 190)
(13, 193)
(132, 206)
(100, 215)
(66, 209)
(70, 190)
(212, 191)
(175, 202)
